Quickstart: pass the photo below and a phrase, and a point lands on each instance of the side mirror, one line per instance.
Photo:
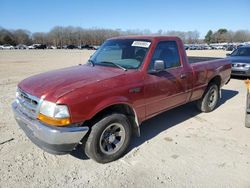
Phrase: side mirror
(228, 54)
(159, 66)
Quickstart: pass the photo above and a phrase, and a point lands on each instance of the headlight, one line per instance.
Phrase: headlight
(48, 108)
(247, 65)
(54, 114)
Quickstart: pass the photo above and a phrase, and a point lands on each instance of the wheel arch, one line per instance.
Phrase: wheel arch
(122, 108)
(217, 80)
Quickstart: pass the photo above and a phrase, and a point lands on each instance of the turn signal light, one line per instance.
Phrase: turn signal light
(53, 121)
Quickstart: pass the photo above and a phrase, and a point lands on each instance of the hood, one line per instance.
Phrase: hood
(55, 84)
(239, 59)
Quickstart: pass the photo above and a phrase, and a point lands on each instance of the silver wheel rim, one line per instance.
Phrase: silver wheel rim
(212, 98)
(112, 138)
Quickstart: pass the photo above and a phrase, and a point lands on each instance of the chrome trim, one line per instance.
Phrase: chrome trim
(39, 106)
(28, 104)
(46, 135)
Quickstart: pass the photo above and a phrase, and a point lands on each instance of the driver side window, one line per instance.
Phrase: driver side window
(167, 51)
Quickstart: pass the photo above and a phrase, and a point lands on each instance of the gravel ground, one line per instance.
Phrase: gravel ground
(179, 148)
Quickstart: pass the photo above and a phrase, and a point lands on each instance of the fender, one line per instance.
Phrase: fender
(107, 102)
(117, 100)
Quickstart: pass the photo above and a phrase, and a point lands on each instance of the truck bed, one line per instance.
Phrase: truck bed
(197, 59)
(205, 69)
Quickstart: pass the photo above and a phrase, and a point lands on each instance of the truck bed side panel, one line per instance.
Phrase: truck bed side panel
(205, 71)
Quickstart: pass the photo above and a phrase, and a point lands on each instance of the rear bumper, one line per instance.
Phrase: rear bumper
(55, 140)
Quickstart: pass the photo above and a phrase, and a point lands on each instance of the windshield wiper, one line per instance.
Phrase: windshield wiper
(92, 62)
(117, 65)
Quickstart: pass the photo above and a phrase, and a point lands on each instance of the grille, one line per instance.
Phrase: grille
(238, 72)
(27, 103)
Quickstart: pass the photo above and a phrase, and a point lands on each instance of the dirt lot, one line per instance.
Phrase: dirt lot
(179, 148)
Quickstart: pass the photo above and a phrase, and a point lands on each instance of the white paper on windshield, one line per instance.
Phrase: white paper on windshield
(143, 44)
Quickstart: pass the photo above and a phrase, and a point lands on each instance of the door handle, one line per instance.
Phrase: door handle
(135, 90)
(183, 76)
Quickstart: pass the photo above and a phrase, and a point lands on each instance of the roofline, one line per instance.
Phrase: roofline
(146, 37)
(248, 46)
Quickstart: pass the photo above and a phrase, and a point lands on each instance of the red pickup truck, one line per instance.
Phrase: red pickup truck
(102, 103)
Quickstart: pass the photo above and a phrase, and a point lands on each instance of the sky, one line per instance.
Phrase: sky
(168, 15)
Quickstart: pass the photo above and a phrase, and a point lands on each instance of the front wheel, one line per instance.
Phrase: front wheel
(209, 99)
(109, 138)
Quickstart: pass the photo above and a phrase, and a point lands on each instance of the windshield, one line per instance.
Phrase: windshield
(241, 52)
(126, 53)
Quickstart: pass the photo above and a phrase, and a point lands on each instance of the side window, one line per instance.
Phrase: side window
(166, 51)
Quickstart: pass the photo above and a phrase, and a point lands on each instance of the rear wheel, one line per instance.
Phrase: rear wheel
(109, 138)
(209, 99)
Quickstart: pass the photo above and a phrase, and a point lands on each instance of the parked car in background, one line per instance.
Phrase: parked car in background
(218, 47)
(33, 46)
(96, 47)
(71, 46)
(21, 47)
(192, 48)
(207, 48)
(200, 47)
(240, 59)
(230, 48)
(7, 47)
(41, 46)
(88, 47)
(51, 47)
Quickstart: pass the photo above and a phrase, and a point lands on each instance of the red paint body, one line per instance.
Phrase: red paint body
(88, 90)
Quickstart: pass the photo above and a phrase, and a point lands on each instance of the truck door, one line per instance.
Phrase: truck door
(168, 88)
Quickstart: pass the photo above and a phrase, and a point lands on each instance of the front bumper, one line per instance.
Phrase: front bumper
(240, 71)
(55, 140)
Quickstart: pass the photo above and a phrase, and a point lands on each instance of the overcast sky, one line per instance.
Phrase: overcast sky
(126, 14)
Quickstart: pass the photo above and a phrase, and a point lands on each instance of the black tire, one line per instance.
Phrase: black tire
(247, 116)
(210, 98)
(100, 138)
(247, 120)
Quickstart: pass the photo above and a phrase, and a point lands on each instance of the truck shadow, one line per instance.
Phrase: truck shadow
(168, 119)
(164, 121)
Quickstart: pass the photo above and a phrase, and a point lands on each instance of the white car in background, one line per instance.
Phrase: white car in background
(31, 47)
(51, 47)
(7, 47)
(34, 46)
(21, 47)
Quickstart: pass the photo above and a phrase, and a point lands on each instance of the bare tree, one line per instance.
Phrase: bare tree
(57, 35)
(241, 36)
(6, 37)
(22, 36)
(61, 36)
(40, 37)
(188, 37)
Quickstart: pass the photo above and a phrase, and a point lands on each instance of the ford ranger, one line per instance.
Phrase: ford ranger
(101, 104)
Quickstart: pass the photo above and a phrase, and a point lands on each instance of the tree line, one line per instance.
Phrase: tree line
(60, 36)
(57, 36)
(223, 35)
